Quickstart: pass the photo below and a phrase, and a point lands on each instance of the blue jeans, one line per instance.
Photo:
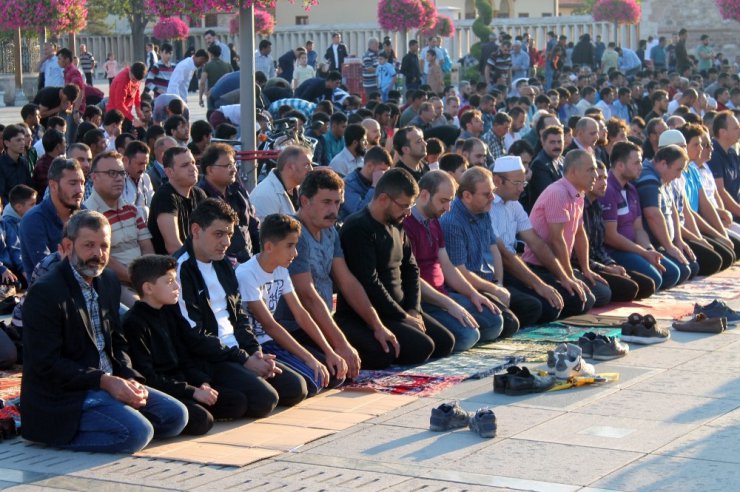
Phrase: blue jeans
(489, 324)
(636, 263)
(109, 426)
(687, 271)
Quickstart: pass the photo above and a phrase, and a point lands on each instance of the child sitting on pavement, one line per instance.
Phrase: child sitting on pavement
(263, 280)
(205, 375)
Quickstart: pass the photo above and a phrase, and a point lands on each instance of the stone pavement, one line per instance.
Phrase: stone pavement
(671, 423)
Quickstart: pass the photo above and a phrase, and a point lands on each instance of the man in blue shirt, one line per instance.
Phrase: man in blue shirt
(41, 227)
(318, 88)
(471, 246)
(725, 163)
(359, 185)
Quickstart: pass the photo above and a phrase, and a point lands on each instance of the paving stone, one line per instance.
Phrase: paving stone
(552, 462)
(661, 407)
(659, 357)
(702, 383)
(719, 361)
(421, 485)
(314, 477)
(668, 473)
(628, 434)
(730, 419)
(707, 443)
(695, 341)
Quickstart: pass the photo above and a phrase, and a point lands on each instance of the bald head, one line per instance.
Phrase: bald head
(372, 129)
(587, 132)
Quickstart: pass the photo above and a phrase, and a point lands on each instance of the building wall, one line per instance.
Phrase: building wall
(697, 16)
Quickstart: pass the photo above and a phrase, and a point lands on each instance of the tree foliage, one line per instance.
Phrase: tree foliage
(482, 25)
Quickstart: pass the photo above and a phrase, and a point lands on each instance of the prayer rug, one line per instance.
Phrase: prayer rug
(660, 306)
(558, 332)
(401, 383)
(472, 364)
(594, 320)
(10, 385)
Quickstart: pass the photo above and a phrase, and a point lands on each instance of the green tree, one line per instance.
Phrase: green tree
(131, 10)
(482, 25)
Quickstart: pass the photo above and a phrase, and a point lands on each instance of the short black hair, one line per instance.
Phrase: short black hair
(135, 147)
(11, 131)
(91, 111)
(139, 70)
(153, 133)
(452, 162)
(215, 50)
(226, 131)
(276, 227)
(168, 160)
(20, 193)
(113, 116)
(199, 130)
(323, 178)
(396, 182)
(65, 53)
(213, 153)
(91, 137)
(337, 118)
(210, 210)
(121, 140)
(149, 268)
(378, 155)
(55, 121)
(354, 133)
(61, 164)
(51, 139)
(28, 109)
(171, 123)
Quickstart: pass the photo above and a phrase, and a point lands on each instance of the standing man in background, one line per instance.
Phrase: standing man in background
(87, 64)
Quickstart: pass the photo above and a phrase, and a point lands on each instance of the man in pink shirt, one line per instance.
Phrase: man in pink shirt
(557, 217)
(125, 92)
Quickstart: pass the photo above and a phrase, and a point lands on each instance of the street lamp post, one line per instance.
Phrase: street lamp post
(247, 88)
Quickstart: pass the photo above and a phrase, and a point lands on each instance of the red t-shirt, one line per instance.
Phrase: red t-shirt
(425, 244)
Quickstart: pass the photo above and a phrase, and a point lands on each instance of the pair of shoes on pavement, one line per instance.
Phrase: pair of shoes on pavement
(566, 361)
(602, 347)
(643, 330)
(520, 381)
(701, 323)
(718, 309)
(449, 416)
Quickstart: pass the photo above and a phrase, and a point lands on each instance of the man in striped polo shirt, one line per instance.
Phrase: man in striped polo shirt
(130, 237)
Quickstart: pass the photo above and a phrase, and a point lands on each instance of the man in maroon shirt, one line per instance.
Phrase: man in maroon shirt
(72, 75)
(470, 316)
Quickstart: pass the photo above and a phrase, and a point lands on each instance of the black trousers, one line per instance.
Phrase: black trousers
(710, 262)
(415, 346)
(511, 321)
(528, 306)
(231, 404)
(736, 246)
(728, 255)
(572, 304)
(624, 289)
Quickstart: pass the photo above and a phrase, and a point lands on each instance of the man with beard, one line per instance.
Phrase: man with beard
(319, 268)
(372, 131)
(412, 149)
(41, 227)
(130, 237)
(137, 189)
(219, 181)
(350, 158)
(378, 254)
(445, 294)
(547, 166)
(79, 389)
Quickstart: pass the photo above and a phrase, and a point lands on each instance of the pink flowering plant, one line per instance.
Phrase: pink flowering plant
(429, 15)
(57, 16)
(170, 28)
(199, 7)
(729, 9)
(264, 23)
(617, 11)
(445, 27)
(400, 15)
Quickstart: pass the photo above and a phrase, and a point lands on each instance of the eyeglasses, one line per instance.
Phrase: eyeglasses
(112, 173)
(230, 164)
(515, 182)
(404, 208)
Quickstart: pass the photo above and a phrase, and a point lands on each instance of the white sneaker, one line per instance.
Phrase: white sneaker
(569, 363)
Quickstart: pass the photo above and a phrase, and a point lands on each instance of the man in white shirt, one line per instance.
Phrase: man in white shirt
(352, 156)
(53, 73)
(183, 73)
(263, 61)
(607, 97)
(278, 192)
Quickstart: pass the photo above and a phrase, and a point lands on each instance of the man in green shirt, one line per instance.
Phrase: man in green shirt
(212, 71)
(705, 54)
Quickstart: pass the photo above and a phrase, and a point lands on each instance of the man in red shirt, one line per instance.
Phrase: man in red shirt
(72, 75)
(125, 92)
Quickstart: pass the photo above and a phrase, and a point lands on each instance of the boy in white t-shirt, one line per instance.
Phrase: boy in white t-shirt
(263, 280)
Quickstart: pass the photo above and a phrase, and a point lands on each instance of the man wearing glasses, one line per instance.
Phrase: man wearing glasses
(219, 181)
(130, 237)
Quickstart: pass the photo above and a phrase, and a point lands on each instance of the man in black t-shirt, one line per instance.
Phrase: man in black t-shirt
(174, 202)
(53, 101)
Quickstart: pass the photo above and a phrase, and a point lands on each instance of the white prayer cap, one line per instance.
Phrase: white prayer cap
(507, 164)
(671, 137)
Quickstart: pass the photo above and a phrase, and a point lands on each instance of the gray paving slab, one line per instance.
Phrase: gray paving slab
(421, 485)
(659, 357)
(599, 431)
(661, 407)
(730, 419)
(707, 443)
(697, 341)
(668, 473)
(726, 361)
(707, 383)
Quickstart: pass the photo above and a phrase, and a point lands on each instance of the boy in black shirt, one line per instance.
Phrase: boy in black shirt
(212, 380)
